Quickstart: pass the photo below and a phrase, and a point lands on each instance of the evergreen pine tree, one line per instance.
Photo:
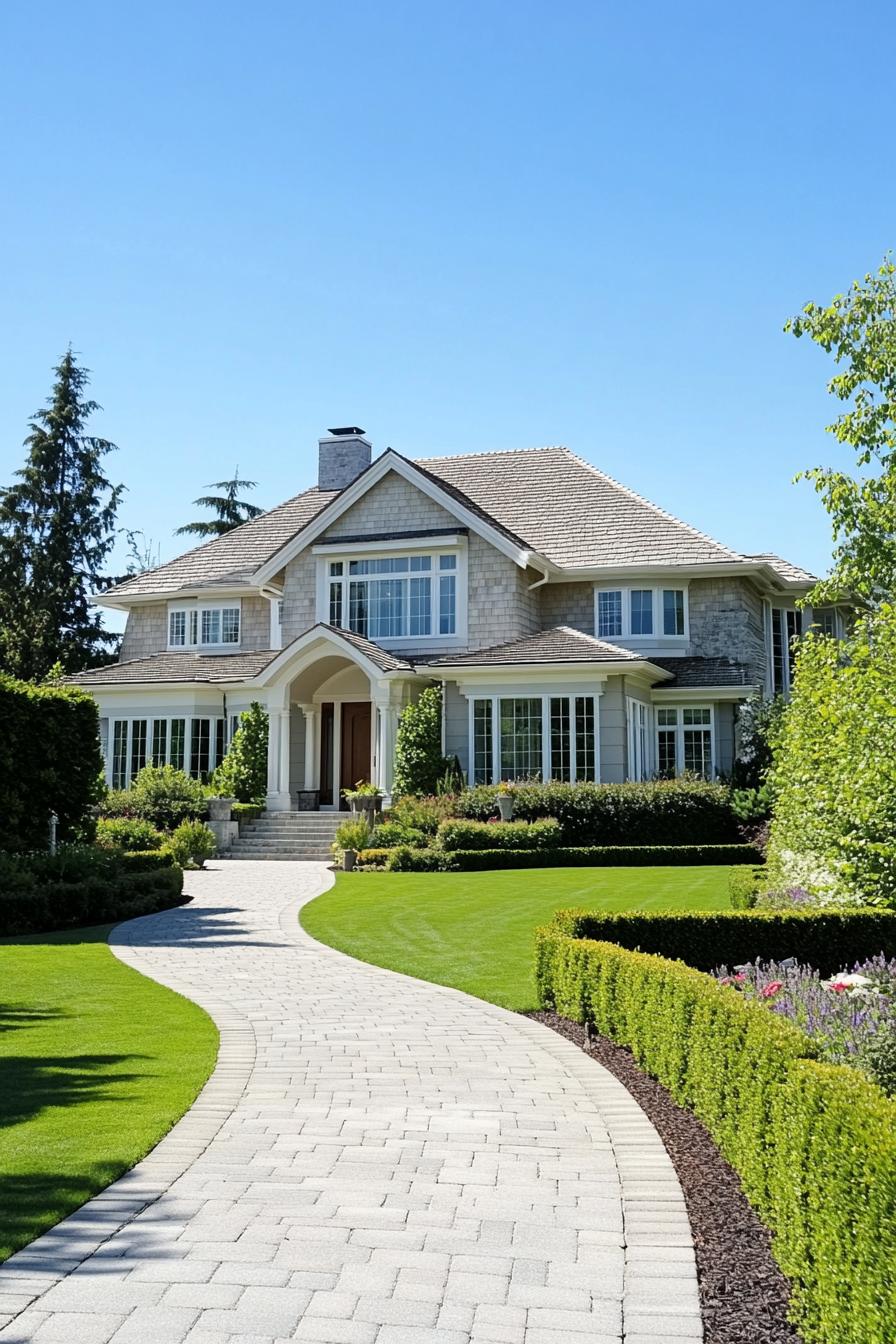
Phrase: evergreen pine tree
(56, 531)
(230, 511)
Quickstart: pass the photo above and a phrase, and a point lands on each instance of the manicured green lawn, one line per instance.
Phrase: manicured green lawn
(475, 930)
(96, 1065)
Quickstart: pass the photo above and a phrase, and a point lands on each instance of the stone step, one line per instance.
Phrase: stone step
(284, 856)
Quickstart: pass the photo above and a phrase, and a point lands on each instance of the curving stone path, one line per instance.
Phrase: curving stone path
(375, 1160)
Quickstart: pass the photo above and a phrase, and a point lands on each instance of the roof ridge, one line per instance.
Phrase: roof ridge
(648, 503)
(487, 452)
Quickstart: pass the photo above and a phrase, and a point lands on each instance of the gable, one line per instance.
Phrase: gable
(393, 504)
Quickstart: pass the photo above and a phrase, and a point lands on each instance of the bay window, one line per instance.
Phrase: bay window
(196, 745)
(641, 613)
(685, 741)
(533, 737)
(206, 627)
(394, 597)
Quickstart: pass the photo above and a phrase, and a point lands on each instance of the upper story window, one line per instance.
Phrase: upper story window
(785, 631)
(641, 613)
(394, 597)
(205, 627)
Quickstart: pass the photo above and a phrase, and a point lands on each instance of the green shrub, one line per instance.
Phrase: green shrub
(814, 1144)
(422, 814)
(834, 772)
(744, 885)
(160, 794)
(502, 835)
(407, 860)
(825, 939)
(753, 805)
(390, 834)
(373, 858)
(420, 766)
(245, 812)
(127, 833)
(243, 774)
(50, 761)
(83, 885)
(192, 843)
(660, 812)
(355, 835)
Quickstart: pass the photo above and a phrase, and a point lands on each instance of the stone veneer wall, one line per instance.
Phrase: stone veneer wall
(726, 622)
(146, 631)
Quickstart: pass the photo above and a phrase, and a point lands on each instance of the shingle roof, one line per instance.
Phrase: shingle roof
(571, 513)
(385, 661)
(703, 672)
(192, 667)
(788, 571)
(560, 645)
(234, 556)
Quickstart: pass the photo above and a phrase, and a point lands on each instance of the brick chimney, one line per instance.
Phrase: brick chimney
(342, 456)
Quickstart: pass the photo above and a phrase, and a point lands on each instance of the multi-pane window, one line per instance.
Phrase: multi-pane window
(827, 621)
(196, 745)
(534, 737)
(642, 611)
(609, 614)
(394, 597)
(638, 613)
(138, 746)
(483, 756)
(684, 740)
(785, 629)
(638, 718)
(207, 627)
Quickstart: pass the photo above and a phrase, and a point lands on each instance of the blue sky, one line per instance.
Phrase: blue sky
(463, 227)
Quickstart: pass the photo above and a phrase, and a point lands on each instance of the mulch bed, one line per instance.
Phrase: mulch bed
(743, 1294)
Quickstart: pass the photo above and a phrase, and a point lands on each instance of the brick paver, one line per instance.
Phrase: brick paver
(374, 1161)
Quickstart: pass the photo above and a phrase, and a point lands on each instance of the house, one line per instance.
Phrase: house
(579, 631)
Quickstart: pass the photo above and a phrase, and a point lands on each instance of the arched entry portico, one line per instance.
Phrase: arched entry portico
(333, 703)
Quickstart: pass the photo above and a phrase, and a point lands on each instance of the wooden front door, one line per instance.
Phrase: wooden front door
(355, 763)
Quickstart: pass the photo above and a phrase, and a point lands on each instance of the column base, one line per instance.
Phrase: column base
(278, 802)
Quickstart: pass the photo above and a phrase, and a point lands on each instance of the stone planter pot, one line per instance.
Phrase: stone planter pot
(220, 809)
(505, 806)
(348, 860)
(369, 805)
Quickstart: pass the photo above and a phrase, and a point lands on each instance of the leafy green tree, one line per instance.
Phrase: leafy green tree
(56, 532)
(859, 329)
(419, 763)
(243, 774)
(230, 511)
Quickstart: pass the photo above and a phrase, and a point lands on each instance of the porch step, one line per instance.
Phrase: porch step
(298, 836)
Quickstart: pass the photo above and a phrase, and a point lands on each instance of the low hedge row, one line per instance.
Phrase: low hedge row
(39, 893)
(814, 1144)
(499, 835)
(407, 860)
(656, 812)
(829, 940)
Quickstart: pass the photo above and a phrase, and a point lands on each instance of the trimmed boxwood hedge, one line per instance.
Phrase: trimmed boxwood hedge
(499, 835)
(83, 886)
(814, 1144)
(656, 812)
(407, 860)
(829, 940)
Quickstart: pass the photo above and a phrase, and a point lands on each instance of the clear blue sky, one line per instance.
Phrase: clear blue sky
(463, 227)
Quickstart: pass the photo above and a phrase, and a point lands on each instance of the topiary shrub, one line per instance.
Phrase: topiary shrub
(499, 835)
(420, 767)
(243, 774)
(191, 844)
(390, 834)
(127, 833)
(50, 761)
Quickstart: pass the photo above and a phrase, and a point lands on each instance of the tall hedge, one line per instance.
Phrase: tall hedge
(50, 761)
(814, 1144)
(659, 812)
(834, 771)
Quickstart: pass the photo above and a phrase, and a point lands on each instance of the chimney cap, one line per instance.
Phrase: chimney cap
(346, 430)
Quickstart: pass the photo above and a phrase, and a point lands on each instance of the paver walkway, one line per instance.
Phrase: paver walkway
(374, 1161)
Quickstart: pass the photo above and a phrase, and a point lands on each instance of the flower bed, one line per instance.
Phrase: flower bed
(813, 1143)
(851, 1017)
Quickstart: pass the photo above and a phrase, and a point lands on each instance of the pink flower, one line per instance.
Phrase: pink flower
(740, 977)
(838, 986)
(772, 988)
(725, 980)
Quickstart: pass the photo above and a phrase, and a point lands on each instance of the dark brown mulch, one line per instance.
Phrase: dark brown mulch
(743, 1294)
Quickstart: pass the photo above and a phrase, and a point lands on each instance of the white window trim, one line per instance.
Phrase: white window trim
(193, 613)
(522, 693)
(786, 651)
(151, 720)
(626, 589)
(400, 551)
(276, 635)
(639, 765)
(679, 730)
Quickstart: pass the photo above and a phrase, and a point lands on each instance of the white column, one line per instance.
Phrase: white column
(310, 720)
(278, 799)
(385, 747)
